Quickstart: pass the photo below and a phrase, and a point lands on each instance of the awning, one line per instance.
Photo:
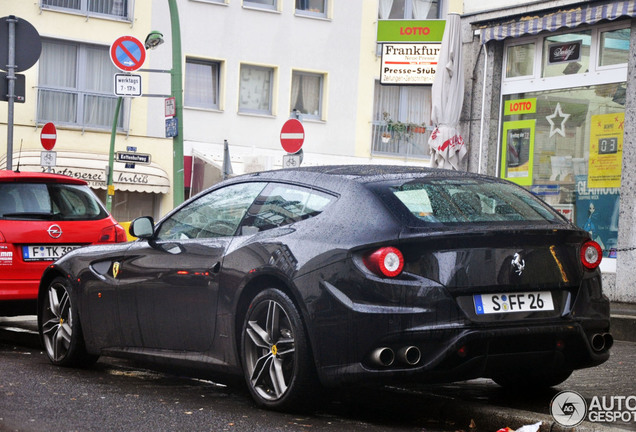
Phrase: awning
(589, 13)
(92, 168)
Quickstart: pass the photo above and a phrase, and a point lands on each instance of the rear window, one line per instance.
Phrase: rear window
(468, 200)
(49, 201)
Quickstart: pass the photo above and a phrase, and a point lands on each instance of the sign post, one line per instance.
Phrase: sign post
(20, 53)
(48, 137)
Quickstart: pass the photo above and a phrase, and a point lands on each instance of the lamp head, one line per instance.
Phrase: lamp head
(153, 40)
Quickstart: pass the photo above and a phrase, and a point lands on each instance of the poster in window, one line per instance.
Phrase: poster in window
(606, 150)
(597, 213)
(518, 151)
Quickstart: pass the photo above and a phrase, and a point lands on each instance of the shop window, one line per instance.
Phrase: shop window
(112, 8)
(565, 145)
(401, 116)
(127, 206)
(202, 84)
(409, 9)
(306, 94)
(614, 47)
(520, 60)
(316, 8)
(566, 54)
(256, 89)
(76, 86)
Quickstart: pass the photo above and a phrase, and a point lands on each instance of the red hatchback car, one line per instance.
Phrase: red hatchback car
(43, 216)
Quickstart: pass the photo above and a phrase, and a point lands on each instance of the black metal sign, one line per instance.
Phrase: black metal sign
(564, 52)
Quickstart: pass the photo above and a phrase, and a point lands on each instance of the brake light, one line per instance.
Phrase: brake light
(112, 234)
(386, 261)
(591, 254)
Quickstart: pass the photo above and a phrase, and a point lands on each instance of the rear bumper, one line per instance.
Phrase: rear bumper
(445, 345)
(26, 289)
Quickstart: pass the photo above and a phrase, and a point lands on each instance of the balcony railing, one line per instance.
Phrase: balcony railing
(408, 141)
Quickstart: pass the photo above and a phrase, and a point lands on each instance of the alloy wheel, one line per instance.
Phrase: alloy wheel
(270, 350)
(57, 325)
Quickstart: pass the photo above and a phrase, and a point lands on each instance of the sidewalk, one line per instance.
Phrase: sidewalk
(623, 321)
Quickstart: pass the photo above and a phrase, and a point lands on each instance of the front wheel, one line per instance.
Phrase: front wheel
(60, 329)
(276, 355)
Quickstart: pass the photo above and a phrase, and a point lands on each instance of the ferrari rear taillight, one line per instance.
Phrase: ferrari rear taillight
(386, 261)
(591, 254)
(112, 234)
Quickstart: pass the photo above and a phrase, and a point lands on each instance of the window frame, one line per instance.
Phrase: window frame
(85, 11)
(219, 75)
(272, 90)
(596, 75)
(313, 14)
(253, 4)
(81, 92)
(321, 102)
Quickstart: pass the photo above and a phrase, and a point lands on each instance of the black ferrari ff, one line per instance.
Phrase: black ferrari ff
(317, 277)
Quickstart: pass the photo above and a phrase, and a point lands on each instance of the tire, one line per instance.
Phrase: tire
(532, 380)
(60, 329)
(277, 362)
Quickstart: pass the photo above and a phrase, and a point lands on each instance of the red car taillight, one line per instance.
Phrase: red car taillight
(386, 261)
(112, 234)
(591, 254)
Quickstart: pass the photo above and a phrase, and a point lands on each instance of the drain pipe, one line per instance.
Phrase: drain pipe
(483, 105)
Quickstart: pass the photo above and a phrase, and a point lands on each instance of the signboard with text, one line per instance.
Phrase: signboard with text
(127, 85)
(409, 63)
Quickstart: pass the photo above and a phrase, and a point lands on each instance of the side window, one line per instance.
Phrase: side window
(282, 204)
(216, 214)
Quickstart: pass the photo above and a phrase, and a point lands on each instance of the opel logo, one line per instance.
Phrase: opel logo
(54, 231)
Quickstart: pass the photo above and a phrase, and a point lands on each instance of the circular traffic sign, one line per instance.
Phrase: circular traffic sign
(128, 53)
(292, 135)
(48, 136)
(28, 45)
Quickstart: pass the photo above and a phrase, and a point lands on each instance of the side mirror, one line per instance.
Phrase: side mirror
(142, 227)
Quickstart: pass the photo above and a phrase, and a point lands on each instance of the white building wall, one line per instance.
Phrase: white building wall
(233, 34)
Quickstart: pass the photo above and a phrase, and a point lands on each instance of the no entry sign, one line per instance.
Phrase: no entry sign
(48, 136)
(128, 53)
(292, 135)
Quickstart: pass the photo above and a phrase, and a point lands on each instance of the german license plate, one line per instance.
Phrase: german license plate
(45, 252)
(516, 302)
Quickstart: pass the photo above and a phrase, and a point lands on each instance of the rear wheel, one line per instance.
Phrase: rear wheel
(532, 380)
(60, 328)
(276, 356)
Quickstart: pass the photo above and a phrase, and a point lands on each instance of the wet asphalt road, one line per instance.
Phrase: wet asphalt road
(117, 395)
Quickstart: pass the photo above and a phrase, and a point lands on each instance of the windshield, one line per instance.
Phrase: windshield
(49, 201)
(468, 200)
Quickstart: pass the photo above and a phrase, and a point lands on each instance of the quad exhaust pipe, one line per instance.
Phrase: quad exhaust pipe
(601, 341)
(385, 356)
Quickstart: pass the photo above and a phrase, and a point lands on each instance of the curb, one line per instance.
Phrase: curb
(490, 419)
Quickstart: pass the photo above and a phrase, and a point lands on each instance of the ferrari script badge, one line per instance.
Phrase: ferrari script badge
(115, 269)
(518, 263)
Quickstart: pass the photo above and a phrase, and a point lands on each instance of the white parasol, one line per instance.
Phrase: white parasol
(447, 147)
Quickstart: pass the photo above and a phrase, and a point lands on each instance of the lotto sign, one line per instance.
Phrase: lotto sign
(128, 53)
(292, 135)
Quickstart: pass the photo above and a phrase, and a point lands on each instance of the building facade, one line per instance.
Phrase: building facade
(72, 86)
(549, 108)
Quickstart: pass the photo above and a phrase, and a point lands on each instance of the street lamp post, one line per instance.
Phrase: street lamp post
(177, 92)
